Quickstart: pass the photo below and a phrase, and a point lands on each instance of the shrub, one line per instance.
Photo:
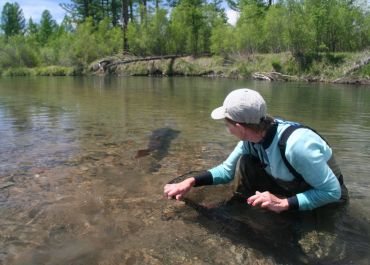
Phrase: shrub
(335, 59)
(54, 71)
(21, 71)
(276, 65)
(364, 71)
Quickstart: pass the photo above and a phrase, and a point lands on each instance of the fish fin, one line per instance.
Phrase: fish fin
(142, 152)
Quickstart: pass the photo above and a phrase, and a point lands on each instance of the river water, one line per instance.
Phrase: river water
(75, 190)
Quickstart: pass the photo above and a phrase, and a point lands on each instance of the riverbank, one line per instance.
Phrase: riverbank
(351, 68)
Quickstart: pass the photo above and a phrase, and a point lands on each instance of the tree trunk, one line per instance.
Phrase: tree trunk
(143, 11)
(86, 9)
(157, 5)
(114, 12)
(131, 11)
(125, 17)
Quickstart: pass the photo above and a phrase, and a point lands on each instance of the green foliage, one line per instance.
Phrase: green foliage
(299, 32)
(306, 59)
(17, 51)
(364, 71)
(187, 21)
(89, 43)
(248, 34)
(223, 39)
(179, 32)
(21, 71)
(292, 67)
(150, 37)
(54, 71)
(245, 69)
(276, 65)
(95, 10)
(12, 20)
(334, 59)
(275, 26)
(40, 71)
(47, 27)
(314, 31)
(32, 28)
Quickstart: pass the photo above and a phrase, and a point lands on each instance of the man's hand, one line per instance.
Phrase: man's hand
(268, 201)
(178, 190)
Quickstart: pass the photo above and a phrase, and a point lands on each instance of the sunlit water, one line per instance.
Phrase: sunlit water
(73, 189)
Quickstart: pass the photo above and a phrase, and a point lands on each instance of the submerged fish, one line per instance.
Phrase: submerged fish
(159, 143)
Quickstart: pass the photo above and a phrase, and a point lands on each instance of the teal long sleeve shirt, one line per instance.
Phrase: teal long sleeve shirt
(306, 151)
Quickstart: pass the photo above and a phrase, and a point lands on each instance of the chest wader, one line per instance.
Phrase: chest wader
(251, 175)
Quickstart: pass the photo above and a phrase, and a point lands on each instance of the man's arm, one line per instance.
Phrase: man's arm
(308, 154)
(224, 172)
(220, 174)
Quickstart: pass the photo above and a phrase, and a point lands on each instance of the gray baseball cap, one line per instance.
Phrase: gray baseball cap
(242, 105)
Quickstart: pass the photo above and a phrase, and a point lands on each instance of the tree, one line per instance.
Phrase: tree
(12, 20)
(188, 19)
(237, 5)
(47, 27)
(223, 39)
(275, 29)
(150, 37)
(66, 25)
(32, 28)
(125, 17)
(249, 28)
(80, 10)
(18, 52)
(300, 35)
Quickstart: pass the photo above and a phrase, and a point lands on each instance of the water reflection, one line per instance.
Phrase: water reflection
(72, 191)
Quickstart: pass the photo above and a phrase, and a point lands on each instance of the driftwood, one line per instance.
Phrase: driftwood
(273, 76)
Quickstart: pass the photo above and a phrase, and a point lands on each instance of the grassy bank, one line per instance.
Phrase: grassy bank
(322, 67)
(42, 71)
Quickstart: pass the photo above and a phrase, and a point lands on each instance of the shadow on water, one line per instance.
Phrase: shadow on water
(158, 145)
(328, 235)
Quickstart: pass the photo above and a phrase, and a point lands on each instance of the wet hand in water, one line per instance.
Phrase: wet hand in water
(178, 190)
(268, 201)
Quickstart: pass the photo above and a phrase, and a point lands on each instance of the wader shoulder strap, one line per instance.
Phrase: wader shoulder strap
(282, 146)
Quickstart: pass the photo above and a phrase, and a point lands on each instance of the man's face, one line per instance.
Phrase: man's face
(234, 128)
(242, 132)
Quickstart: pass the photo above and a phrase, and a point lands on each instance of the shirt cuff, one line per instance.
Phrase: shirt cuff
(293, 203)
(203, 179)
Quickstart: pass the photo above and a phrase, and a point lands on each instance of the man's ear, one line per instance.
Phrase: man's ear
(239, 125)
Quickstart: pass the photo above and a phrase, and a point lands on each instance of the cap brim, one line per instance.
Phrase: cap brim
(218, 113)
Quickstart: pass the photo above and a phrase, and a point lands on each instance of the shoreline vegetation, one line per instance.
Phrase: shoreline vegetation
(345, 68)
(290, 40)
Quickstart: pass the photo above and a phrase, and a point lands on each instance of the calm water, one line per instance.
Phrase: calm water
(73, 191)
